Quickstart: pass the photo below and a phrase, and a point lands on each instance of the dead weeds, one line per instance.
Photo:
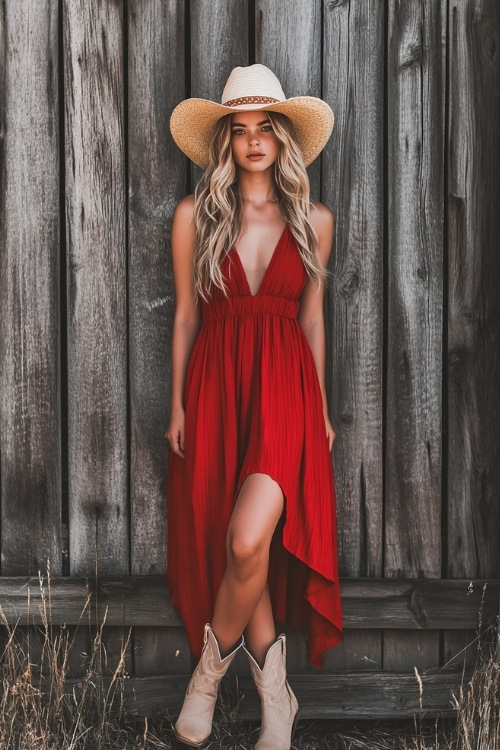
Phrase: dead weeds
(39, 712)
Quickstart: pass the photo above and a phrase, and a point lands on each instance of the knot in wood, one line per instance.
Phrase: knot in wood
(122, 586)
(346, 419)
(455, 357)
(422, 273)
(417, 606)
(491, 46)
(350, 283)
(411, 56)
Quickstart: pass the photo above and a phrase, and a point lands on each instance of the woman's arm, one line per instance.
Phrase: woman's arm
(311, 305)
(187, 316)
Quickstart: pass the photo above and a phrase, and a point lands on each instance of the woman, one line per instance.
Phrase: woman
(251, 494)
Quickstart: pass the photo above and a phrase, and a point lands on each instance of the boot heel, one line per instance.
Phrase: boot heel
(188, 742)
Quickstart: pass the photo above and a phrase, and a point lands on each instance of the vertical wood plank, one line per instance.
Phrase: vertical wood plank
(360, 651)
(161, 651)
(30, 417)
(219, 42)
(352, 188)
(415, 276)
(157, 179)
(288, 40)
(416, 79)
(460, 648)
(405, 650)
(352, 182)
(473, 364)
(97, 290)
(474, 281)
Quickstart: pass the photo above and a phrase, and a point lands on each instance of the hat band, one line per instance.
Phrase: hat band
(250, 100)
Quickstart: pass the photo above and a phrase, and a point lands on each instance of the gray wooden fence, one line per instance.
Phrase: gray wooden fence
(89, 178)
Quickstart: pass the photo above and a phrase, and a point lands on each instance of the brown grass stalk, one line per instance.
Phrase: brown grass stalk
(37, 709)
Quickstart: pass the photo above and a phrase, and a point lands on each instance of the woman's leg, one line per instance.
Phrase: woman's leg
(260, 633)
(243, 600)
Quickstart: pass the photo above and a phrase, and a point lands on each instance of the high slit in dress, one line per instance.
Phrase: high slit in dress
(253, 404)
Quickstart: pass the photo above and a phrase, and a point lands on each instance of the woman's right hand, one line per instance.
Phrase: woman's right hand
(175, 432)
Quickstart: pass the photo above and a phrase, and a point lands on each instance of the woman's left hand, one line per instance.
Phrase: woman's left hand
(330, 432)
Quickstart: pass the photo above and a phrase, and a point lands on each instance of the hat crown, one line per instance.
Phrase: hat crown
(252, 81)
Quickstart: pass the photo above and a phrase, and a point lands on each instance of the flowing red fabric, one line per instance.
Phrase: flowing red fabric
(253, 404)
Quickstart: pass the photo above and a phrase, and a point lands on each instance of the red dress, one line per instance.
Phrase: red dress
(253, 404)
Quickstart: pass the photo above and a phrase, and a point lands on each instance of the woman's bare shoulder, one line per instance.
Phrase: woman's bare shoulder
(184, 211)
(321, 218)
(183, 230)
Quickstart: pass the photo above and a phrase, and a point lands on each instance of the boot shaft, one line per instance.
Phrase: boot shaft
(279, 704)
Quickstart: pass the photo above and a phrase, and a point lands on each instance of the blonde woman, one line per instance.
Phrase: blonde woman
(251, 495)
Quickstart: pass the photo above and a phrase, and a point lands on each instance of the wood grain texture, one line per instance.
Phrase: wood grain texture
(157, 180)
(361, 695)
(360, 650)
(352, 186)
(404, 651)
(219, 42)
(473, 366)
(30, 415)
(143, 601)
(156, 83)
(473, 265)
(288, 41)
(415, 293)
(97, 315)
(460, 648)
(415, 133)
(353, 189)
(162, 650)
(335, 696)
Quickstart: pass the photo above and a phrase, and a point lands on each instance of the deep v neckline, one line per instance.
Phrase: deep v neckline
(266, 272)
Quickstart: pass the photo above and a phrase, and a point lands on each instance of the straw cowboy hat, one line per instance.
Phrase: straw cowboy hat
(254, 87)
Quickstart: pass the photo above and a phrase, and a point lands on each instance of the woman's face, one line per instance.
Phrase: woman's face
(253, 141)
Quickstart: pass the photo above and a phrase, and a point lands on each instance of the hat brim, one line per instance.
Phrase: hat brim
(193, 121)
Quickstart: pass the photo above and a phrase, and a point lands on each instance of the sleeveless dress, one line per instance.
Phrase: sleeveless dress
(253, 404)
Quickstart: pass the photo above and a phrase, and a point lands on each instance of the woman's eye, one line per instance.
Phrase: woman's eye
(267, 128)
(238, 132)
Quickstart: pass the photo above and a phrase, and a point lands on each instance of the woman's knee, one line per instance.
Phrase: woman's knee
(246, 552)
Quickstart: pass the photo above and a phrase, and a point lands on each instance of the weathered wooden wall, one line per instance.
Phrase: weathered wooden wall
(89, 178)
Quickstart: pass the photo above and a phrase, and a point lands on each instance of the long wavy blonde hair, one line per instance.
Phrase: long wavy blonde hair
(218, 212)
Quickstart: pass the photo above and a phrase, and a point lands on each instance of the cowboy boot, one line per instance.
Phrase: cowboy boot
(280, 709)
(194, 724)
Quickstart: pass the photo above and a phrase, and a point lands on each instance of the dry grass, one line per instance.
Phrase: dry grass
(38, 712)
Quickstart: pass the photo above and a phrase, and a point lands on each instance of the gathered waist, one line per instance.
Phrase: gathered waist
(260, 304)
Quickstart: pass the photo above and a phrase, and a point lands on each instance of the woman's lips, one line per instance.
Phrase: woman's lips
(255, 157)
